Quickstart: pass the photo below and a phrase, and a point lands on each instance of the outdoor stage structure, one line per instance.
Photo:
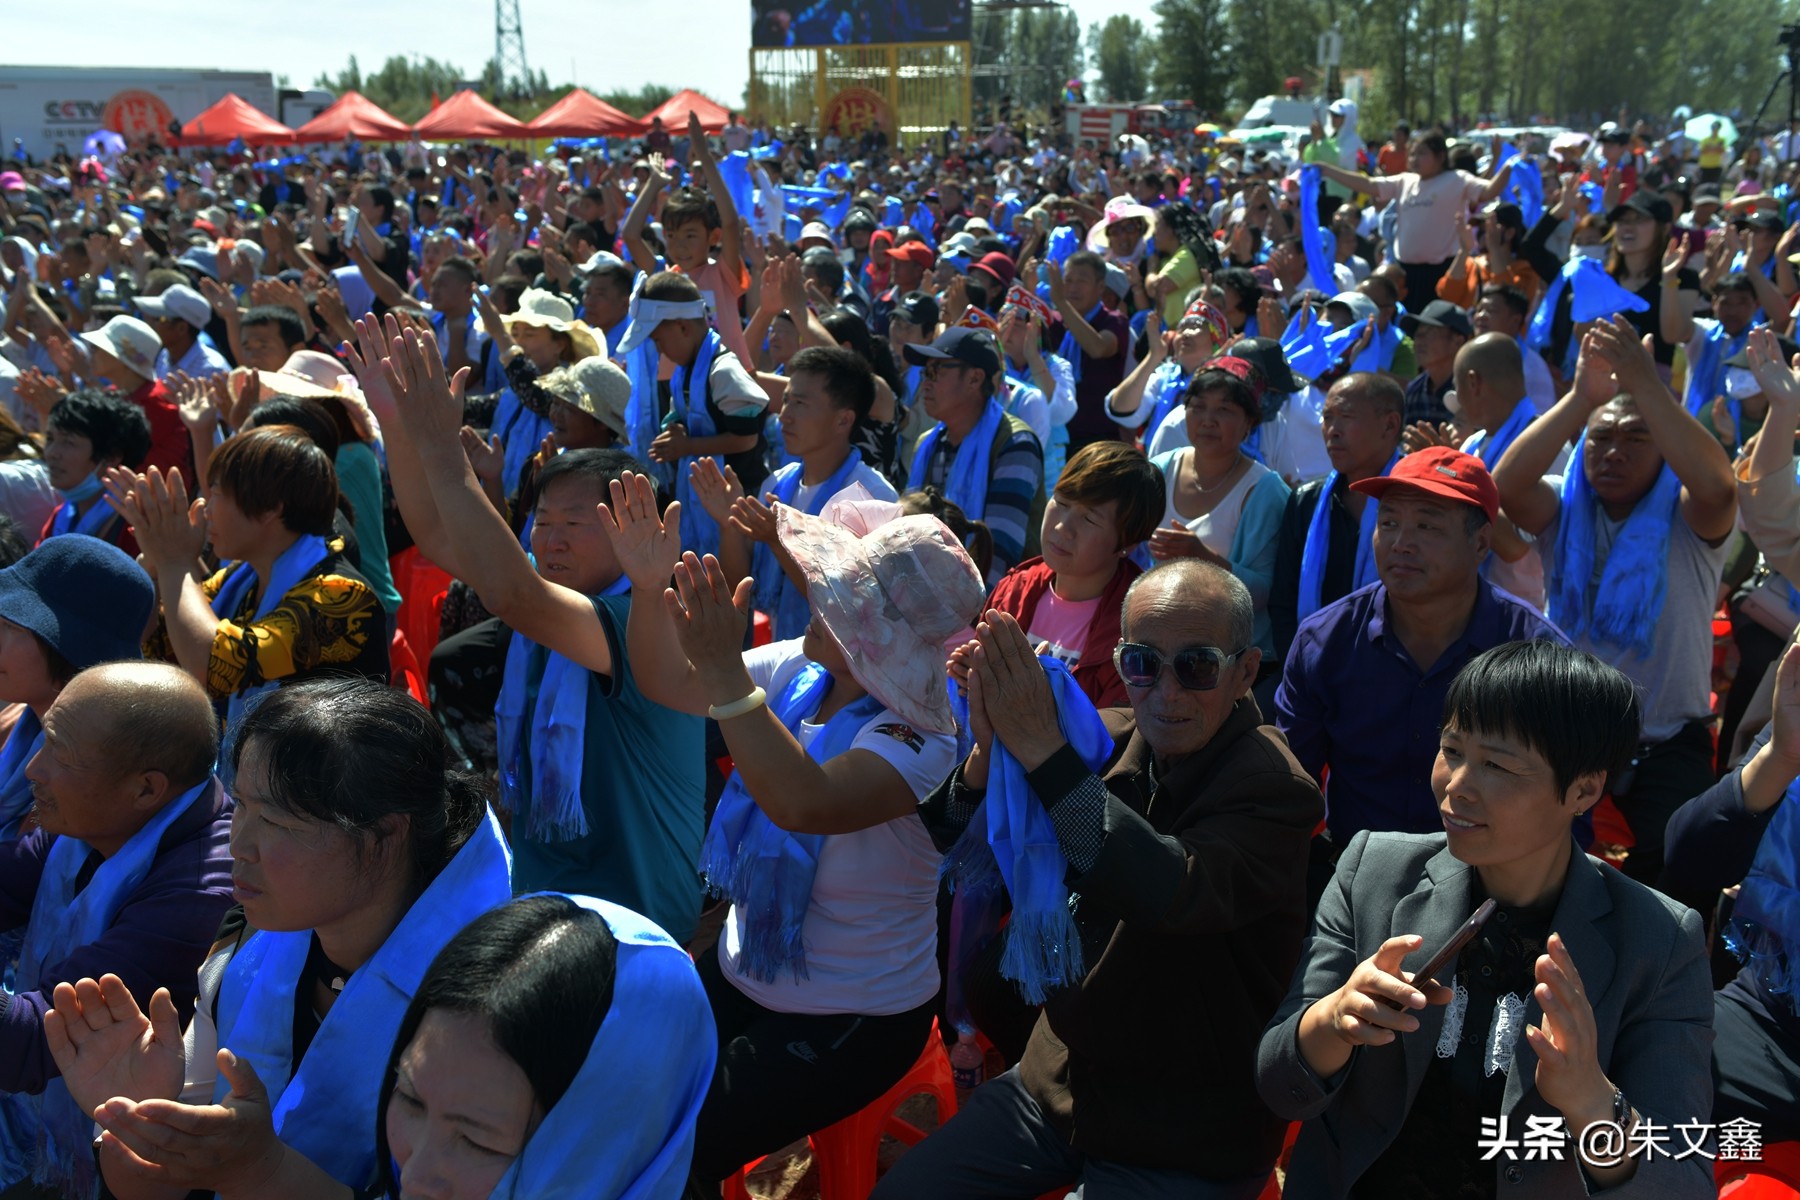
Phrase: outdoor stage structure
(857, 63)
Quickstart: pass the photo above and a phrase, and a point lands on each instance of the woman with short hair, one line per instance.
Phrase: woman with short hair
(1585, 1001)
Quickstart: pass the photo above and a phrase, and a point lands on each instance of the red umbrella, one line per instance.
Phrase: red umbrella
(354, 115)
(233, 118)
(674, 112)
(466, 115)
(583, 114)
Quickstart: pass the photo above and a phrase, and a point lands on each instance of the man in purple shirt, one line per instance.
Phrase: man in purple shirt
(1093, 344)
(1362, 693)
(131, 854)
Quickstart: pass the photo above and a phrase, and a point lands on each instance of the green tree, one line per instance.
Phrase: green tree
(1123, 54)
(1193, 52)
(1025, 53)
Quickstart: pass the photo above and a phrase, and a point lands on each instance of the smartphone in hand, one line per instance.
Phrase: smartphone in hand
(1447, 953)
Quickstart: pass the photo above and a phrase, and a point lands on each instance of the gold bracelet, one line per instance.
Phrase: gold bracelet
(737, 708)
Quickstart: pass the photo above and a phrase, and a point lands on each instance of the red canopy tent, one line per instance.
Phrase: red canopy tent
(674, 112)
(233, 118)
(583, 114)
(354, 115)
(466, 115)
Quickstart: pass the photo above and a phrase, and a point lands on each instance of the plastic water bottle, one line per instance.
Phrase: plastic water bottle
(968, 1065)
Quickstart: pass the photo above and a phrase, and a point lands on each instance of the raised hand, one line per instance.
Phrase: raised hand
(710, 619)
(1565, 1040)
(488, 459)
(1780, 381)
(646, 544)
(715, 489)
(1010, 680)
(429, 405)
(105, 1046)
(170, 531)
(754, 518)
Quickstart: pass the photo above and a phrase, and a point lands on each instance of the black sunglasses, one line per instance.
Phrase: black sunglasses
(1197, 668)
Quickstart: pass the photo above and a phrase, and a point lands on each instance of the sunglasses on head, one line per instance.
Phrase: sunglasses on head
(1197, 668)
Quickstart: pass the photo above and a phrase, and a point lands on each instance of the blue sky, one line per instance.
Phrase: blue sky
(603, 44)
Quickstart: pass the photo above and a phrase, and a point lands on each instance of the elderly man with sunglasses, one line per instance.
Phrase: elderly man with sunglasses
(1362, 692)
(1186, 855)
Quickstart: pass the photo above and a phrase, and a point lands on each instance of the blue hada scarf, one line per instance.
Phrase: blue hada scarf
(1706, 374)
(636, 1142)
(688, 386)
(1317, 547)
(764, 870)
(775, 594)
(1764, 930)
(1011, 843)
(326, 1106)
(540, 720)
(1634, 582)
(48, 1137)
(966, 482)
(295, 563)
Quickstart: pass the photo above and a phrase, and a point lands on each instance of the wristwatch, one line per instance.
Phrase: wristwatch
(1623, 1117)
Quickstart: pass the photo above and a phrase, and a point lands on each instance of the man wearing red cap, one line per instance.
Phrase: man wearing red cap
(908, 263)
(1363, 690)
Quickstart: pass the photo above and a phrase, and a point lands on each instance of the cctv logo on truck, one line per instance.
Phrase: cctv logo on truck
(133, 112)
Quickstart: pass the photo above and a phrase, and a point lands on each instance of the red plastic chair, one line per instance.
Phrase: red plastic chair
(403, 669)
(846, 1152)
(422, 585)
(1776, 1177)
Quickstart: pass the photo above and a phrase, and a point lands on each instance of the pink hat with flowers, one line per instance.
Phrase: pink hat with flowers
(890, 599)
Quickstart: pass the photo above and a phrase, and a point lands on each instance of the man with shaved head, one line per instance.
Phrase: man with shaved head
(127, 874)
(1186, 847)
(1492, 402)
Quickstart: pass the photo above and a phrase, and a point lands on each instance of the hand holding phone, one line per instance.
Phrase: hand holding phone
(1450, 949)
(352, 219)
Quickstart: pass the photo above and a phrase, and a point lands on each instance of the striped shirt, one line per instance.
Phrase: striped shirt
(1014, 477)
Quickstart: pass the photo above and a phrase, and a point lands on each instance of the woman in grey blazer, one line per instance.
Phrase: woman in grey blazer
(1574, 1027)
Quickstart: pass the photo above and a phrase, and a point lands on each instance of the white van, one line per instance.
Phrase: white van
(1281, 110)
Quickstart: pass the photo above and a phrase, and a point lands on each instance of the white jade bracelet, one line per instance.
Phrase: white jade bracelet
(737, 708)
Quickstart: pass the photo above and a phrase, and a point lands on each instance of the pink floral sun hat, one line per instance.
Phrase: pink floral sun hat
(889, 598)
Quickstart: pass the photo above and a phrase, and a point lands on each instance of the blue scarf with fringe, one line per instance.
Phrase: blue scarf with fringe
(1706, 374)
(1317, 547)
(521, 432)
(1634, 582)
(325, 1105)
(775, 594)
(1070, 348)
(1011, 842)
(540, 722)
(699, 532)
(295, 563)
(642, 420)
(1764, 929)
(966, 481)
(764, 870)
(48, 1137)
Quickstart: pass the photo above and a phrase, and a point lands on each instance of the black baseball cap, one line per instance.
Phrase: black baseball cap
(1265, 355)
(1646, 202)
(1441, 313)
(920, 308)
(971, 347)
(1768, 222)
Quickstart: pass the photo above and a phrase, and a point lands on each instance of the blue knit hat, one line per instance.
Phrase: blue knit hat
(86, 598)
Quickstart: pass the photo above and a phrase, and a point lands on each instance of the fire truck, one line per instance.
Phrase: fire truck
(1103, 123)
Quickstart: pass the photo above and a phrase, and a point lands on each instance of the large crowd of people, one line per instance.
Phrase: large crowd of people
(559, 676)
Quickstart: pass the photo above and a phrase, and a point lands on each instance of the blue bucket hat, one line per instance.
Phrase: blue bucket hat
(87, 599)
